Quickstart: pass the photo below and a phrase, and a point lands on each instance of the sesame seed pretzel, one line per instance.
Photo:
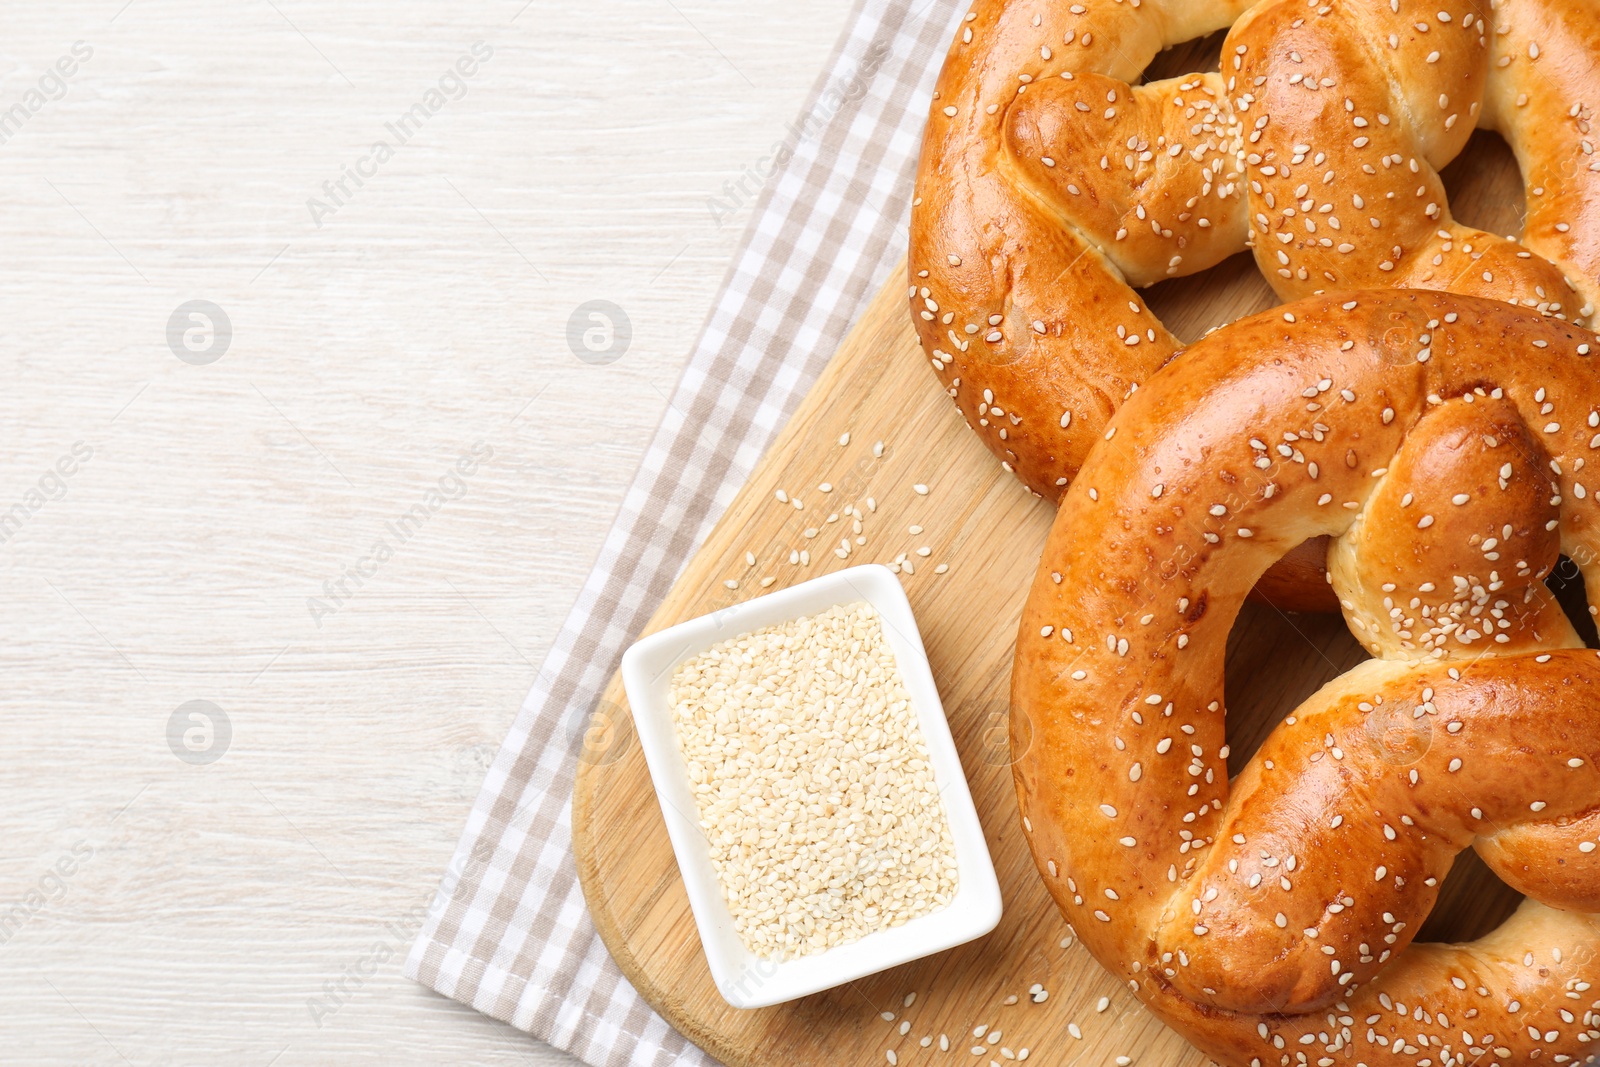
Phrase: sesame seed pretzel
(1050, 189)
(1442, 441)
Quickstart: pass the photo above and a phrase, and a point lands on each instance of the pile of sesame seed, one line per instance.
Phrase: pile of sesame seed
(813, 784)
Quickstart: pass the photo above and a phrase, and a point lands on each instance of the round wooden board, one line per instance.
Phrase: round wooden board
(981, 522)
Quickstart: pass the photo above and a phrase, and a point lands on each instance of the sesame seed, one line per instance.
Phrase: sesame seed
(778, 893)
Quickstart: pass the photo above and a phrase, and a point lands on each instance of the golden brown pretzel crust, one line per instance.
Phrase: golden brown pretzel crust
(1444, 442)
(1049, 188)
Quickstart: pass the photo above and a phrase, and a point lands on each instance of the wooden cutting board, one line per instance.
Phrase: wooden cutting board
(977, 519)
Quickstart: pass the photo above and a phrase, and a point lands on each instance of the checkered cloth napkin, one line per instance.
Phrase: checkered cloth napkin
(509, 933)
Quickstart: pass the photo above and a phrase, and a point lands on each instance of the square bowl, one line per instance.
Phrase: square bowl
(744, 979)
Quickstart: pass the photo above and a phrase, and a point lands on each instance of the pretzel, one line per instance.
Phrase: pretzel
(1444, 443)
(1050, 188)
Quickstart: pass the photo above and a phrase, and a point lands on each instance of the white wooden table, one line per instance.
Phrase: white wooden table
(158, 909)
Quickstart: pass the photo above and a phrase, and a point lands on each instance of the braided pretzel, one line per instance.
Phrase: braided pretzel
(1049, 187)
(1269, 919)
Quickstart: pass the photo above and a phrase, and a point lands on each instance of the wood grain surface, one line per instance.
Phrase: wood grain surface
(989, 530)
(426, 314)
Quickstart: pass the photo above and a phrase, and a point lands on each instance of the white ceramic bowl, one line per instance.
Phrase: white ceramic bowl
(744, 979)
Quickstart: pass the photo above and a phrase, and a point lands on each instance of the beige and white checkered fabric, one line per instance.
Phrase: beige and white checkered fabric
(510, 934)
